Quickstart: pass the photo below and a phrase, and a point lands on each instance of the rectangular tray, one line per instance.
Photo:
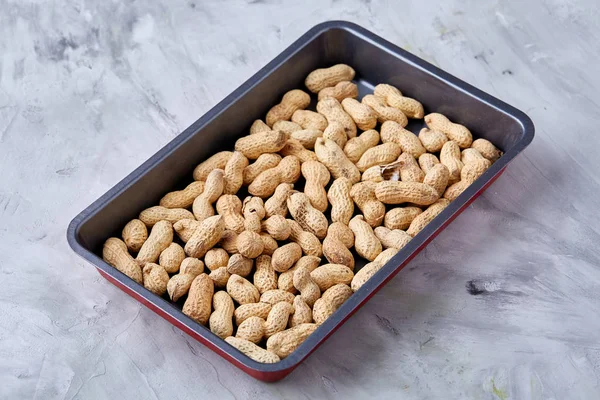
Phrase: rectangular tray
(375, 61)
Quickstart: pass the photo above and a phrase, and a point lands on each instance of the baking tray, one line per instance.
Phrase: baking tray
(375, 61)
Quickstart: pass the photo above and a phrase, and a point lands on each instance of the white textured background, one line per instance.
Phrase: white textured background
(90, 89)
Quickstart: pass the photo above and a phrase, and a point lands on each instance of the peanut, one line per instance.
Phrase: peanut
(197, 306)
(309, 120)
(335, 131)
(391, 192)
(374, 174)
(432, 140)
(317, 177)
(240, 265)
(427, 161)
(185, 228)
(487, 149)
(229, 206)
(396, 238)
(286, 256)
(245, 311)
(291, 101)
(334, 112)
(334, 158)
(309, 243)
(365, 242)
(287, 171)
(309, 290)
(394, 98)
(213, 188)
(241, 290)
(275, 296)
(286, 279)
(135, 234)
(437, 178)
(362, 115)
(152, 215)
(329, 275)
(409, 169)
(383, 111)
(332, 299)
(229, 241)
(115, 253)
(254, 212)
(234, 173)
(285, 342)
(161, 236)
(450, 157)
(427, 216)
(249, 244)
(408, 141)
(269, 244)
(471, 155)
(401, 217)
(262, 163)
(265, 277)
(294, 148)
(278, 317)
(357, 146)
(456, 132)
(342, 206)
(378, 155)
(259, 126)
(253, 351)
(171, 258)
(179, 285)
(371, 268)
(307, 137)
(277, 226)
(217, 161)
(322, 78)
(363, 194)
(205, 237)
(220, 321)
(302, 313)
(286, 127)
(252, 330)
(182, 198)
(220, 277)
(252, 146)
(215, 258)
(473, 170)
(341, 91)
(455, 190)
(309, 218)
(336, 244)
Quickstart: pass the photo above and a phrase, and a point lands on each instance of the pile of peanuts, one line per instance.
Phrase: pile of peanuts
(277, 248)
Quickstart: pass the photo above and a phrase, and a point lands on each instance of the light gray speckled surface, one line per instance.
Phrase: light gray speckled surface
(89, 90)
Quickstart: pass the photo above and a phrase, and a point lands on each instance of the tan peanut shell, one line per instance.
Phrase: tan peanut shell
(217, 161)
(286, 256)
(339, 239)
(432, 140)
(329, 275)
(249, 244)
(265, 277)
(302, 313)
(438, 177)
(334, 112)
(253, 351)
(293, 147)
(371, 268)
(408, 141)
(216, 258)
(308, 288)
(285, 342)
(309, 243)
(286, 127)
(409, 169)
(262, 163)
(185, 228)
(278, 317)
(277, 226)
(161, 236)
(362, 115)
(182, 198)
(286, 279)
(258, 126)
(487, 149)
(383, 111)
(275, 296)
(287, 171)
(252, 146)
(454, 190)
(245, 311)
(252, 330)
(229, 206)
(213, 188)
(365, 242)
(400, 217)
(220, 321)
(171, 258)
(357, 146)
(293, 100)
(335, 131)
(363, 194)
(471, 155)
(456, 132)
(269, 244)
(277, 204)
(198, 304)
(135, 234)
(220, 277)
(396, 238)
(309, 120)
(115, 253)
(234, 173)
(374, 174)
(427, 161)
(317, 177)
(391, 192)
(242, 291)
(474, 170)
(341, 91)
(240, 265)
(393, 97)
(379, 155)
(253, 210)
(179, 285)
(332, 299)
(205, 237)
(309, 218)
(450, 156)
(322, 78)
(342, 206)
(307, 137)
(427, 216)
(152, 215)
(334, 158)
